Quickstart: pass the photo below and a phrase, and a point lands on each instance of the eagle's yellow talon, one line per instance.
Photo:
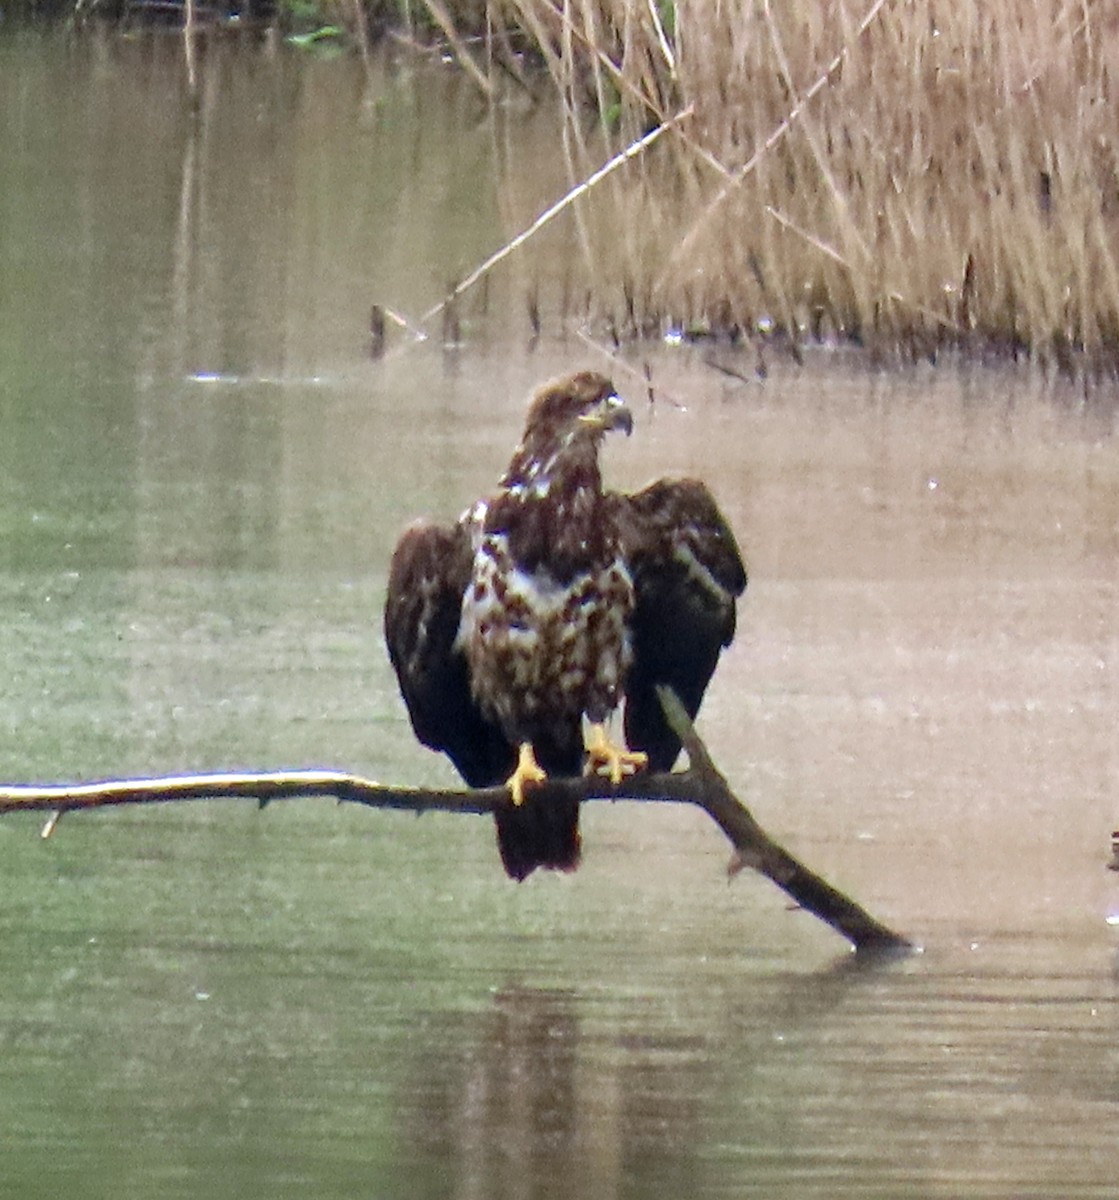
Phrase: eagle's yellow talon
(528, 770)
(605, 758)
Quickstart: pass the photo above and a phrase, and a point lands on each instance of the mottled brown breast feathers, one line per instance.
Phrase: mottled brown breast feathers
(545, 617)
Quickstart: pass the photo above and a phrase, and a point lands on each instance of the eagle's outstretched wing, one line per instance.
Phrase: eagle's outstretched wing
(429, 573)
(687, 574)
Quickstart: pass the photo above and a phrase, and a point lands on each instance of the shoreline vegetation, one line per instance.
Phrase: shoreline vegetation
(913, 178)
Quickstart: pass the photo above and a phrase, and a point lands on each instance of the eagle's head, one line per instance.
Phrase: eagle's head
(577, 409)
(558, 454)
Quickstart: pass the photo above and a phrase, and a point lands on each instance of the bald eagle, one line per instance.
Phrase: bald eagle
(548, 603)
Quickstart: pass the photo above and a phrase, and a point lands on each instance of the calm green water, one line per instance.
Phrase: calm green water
(201, 478)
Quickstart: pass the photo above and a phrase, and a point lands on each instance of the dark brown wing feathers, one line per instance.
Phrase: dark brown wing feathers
(429, 573)
(688, 574)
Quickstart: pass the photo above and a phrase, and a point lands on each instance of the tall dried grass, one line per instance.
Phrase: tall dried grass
(907, 173)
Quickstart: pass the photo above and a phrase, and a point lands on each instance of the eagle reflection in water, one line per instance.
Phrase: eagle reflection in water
(549, 602)
(528, 1098)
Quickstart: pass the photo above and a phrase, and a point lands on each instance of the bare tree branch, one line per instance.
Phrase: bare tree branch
(701, 784)
(755, 848)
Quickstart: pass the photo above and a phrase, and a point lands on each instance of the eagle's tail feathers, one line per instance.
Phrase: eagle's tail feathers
(538, 833)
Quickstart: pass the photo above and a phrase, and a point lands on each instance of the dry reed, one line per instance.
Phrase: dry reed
(908, 174)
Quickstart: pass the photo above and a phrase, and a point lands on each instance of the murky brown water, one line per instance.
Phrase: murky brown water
(201, 477)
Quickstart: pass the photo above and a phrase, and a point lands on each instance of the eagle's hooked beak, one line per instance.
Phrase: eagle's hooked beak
(610, 413)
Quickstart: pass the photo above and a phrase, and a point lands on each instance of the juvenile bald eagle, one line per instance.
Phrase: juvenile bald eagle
(547, 603)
